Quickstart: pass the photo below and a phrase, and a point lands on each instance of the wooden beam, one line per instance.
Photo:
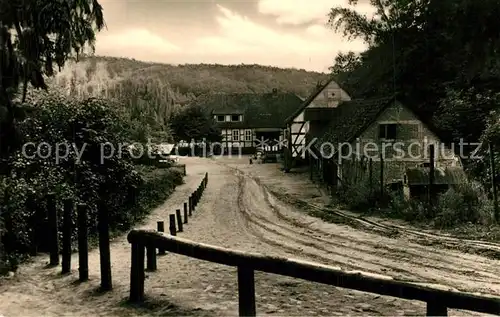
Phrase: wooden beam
(246, 291)
(361, 281)
(493, 180)
(431, 174)
(301, 127)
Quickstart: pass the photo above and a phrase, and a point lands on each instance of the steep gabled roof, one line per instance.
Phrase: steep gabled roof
(352, 118)
(308, 100)
(355, 116)
(264, 110)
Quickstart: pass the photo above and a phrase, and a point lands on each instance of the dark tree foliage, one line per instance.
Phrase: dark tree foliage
(440, 56)
(194, 123)
(35, 36)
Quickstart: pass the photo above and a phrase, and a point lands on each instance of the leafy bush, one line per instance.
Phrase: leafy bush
(201, 125)
(357, 196)
(466, 203)
(157, 187)
(91, 171)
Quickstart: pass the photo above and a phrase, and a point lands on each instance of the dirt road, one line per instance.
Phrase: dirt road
(238, 212)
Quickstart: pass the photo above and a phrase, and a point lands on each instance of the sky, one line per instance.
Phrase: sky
(282, 33)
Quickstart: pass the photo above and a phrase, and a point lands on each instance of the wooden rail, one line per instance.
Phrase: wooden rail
(438, 300)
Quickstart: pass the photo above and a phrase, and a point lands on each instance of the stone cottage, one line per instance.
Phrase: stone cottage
(364, 133)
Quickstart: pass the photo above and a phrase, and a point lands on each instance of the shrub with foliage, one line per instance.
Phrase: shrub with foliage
(194, 123)
(357, 196)
(71, 137)
(466, 203)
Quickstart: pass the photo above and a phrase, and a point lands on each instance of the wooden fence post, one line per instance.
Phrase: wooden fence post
(104, 248)
(173, 230)
(370, 176)
(190, 205)
(179, 219)
(431, 174)
(246, 291)
(185, 213)
(161, 228)
(311, 167)
(436, 309)
(382, 191)
(493, 181)
(137, 273)
(53, 231)
(83, 249)
(67, 230)
(151, 258)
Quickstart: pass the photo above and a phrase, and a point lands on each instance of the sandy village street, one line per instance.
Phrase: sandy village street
(254, 208)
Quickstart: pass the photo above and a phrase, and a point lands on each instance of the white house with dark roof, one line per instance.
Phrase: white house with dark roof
(251, 120)
(311, 118)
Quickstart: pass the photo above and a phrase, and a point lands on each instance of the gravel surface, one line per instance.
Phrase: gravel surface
(237, 212)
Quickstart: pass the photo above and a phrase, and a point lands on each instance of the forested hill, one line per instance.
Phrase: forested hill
(179, 84)
(148, 93)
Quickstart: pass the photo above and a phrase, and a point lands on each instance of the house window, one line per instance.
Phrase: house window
(236, 135)
(220, 118)
(248, 135)
(387, 131)
(235, 117)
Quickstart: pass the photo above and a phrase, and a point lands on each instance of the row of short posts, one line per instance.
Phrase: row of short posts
(82, 237)
(176, 224)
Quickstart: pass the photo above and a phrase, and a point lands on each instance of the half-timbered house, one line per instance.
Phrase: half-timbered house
(311, 119)
(251, 120)
(384, 131)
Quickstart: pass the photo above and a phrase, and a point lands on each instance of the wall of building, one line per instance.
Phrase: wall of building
(238, 137)
(409, 149)
(331, 96)
(245, 138)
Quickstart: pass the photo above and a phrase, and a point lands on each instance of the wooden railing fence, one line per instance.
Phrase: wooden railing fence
(438, 300)
(103, 233)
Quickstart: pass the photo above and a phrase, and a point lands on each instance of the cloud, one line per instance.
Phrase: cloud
(235, 39)
(251, 42)
(317, 30)
(136, 39)
(296, 12)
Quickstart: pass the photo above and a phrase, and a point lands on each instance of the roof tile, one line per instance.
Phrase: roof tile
(351, 118)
